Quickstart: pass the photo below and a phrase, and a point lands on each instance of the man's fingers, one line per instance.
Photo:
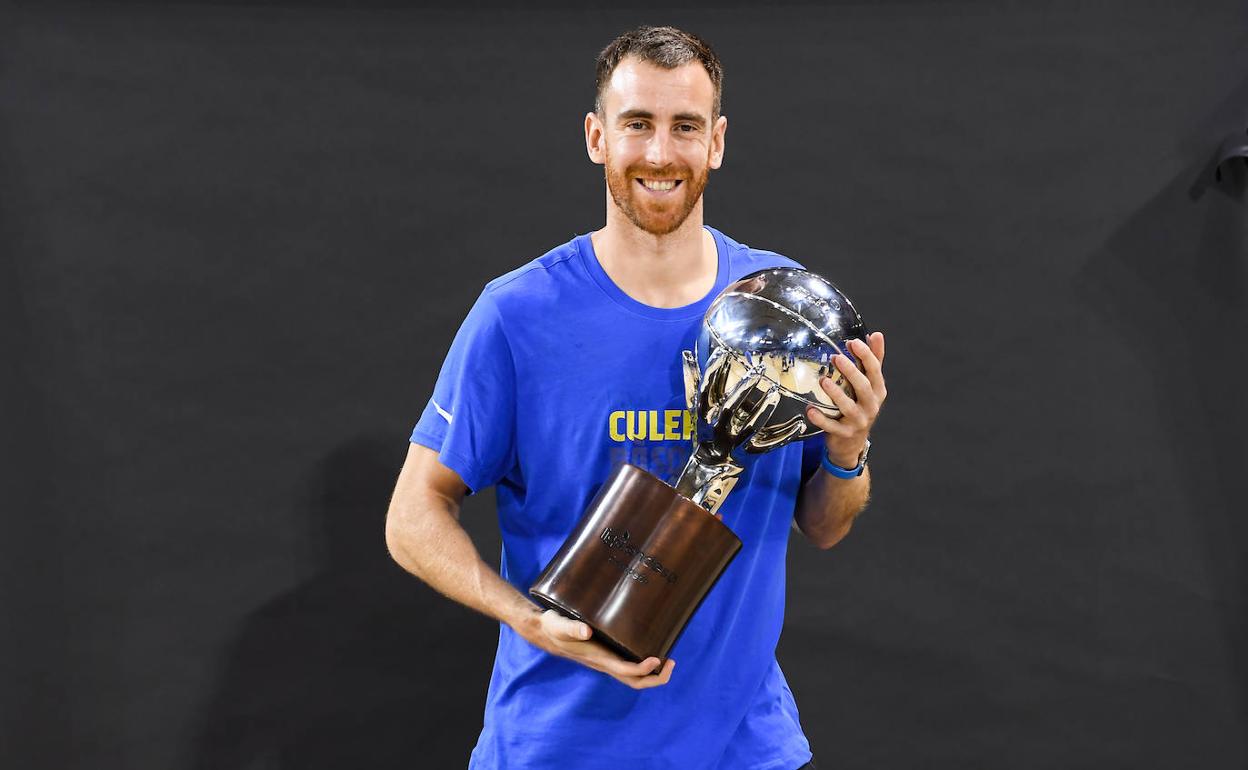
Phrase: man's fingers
(599, 656)
(828, 426)
(620, 668)
(871, 361)
(876, 340)
(665, 674)
(662, 677)
(832, 427)
(863, 391)
(843, 400)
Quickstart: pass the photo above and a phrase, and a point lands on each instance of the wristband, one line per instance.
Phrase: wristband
(845, 473)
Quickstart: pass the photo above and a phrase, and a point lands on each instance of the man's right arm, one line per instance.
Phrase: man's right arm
(425, 537)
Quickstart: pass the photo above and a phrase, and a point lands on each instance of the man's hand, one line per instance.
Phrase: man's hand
(847, 436)
(569, 639)
(827, 505)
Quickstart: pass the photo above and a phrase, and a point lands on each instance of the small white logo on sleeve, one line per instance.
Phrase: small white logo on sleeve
(445, 414)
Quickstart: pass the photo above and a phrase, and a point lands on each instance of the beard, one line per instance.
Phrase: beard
(655, 217)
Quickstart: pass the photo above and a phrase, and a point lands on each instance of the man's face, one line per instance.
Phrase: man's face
(656, 141)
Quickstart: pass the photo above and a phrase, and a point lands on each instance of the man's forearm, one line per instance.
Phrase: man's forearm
(827, 506)
(426, 539)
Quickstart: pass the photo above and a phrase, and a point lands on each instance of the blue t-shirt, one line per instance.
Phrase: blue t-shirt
(554, 378)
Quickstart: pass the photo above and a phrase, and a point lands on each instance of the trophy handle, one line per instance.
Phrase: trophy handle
(691, 379)
(779, 435)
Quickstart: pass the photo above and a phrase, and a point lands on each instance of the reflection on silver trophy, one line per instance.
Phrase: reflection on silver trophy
(765, 343)
(645, 554)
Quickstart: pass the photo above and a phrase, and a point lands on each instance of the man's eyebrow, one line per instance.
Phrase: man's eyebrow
(635, 113)
(689, 117)
(682, 117)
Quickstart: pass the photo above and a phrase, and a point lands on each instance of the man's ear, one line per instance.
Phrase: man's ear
(595, 139)
(717, 141)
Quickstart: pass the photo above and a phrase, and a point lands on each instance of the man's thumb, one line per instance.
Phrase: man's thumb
(572, 629)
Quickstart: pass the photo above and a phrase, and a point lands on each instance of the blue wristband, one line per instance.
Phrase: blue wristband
(844, 473)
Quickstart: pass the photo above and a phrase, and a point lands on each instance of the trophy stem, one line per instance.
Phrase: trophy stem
(707, 480)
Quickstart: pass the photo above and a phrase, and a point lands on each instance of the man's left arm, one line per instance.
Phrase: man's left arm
(827, 505)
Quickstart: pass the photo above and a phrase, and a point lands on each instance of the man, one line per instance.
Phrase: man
(555, 375)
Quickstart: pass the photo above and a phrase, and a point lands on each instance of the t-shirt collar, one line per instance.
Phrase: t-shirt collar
(585, 247)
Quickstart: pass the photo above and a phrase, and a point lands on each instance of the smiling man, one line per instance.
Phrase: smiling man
(562, 369)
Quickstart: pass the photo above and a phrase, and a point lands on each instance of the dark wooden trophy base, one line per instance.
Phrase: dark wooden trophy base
(638, 564)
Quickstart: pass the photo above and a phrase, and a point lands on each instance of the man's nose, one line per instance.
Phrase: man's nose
(659, 149)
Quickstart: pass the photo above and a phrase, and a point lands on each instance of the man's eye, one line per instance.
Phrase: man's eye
(686, 127)
(637, 124)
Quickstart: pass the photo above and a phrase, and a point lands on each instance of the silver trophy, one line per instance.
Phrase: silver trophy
(645, 554)
(766, 342)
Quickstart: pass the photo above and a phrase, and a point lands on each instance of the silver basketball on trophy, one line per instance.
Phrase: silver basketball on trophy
(766, 342)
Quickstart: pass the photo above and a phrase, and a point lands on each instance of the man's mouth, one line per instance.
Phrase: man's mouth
(659, 185)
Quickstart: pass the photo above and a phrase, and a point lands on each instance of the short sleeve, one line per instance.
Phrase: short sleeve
(812, 454)
(470, 419)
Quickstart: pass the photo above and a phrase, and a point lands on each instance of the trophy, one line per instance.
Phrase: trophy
(645, 554)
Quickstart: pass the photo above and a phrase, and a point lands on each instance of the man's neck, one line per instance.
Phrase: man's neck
(662, 271)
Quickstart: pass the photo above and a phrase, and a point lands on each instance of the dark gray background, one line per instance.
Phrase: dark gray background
(237, 240)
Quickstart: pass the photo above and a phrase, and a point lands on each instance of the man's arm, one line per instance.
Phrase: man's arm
(425, 537)
(827, 505)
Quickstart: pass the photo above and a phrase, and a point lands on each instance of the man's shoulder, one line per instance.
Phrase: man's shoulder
(748, 259)
(538, 279)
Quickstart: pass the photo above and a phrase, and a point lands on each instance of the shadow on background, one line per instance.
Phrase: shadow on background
(361, 665)
(1171, 282)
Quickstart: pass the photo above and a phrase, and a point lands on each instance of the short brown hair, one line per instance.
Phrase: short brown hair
(665, 47)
